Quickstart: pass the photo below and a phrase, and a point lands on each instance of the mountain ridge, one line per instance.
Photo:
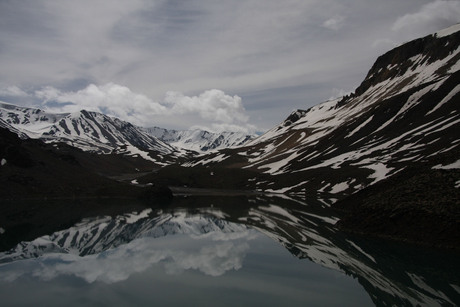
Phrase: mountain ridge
(100, 133)
(200, 140)
(372, 132)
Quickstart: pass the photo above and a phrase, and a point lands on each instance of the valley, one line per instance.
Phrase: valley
(386, 155)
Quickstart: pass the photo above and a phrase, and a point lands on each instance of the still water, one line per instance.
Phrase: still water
(222, 251)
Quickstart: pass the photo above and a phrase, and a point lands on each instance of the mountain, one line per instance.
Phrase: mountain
(200, 140)
(89, 131)
(31, 169)
(387, 154)
(404, 113)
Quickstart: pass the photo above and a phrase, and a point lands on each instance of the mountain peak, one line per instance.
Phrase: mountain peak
(426, 58)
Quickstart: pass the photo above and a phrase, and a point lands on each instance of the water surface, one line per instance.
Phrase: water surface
(245, 250)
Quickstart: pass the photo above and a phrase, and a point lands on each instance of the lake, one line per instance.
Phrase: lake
(245, 250)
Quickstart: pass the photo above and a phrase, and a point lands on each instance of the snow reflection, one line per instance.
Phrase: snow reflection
(177, 242)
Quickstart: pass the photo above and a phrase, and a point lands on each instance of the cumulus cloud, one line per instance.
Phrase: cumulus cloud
(431, 17)
(211, 105)
(212, 110)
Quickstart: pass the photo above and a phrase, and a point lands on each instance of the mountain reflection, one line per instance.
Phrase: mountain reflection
(212, 235)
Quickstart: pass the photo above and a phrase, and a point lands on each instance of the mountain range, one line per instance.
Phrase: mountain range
(200, 140)
(387, 153)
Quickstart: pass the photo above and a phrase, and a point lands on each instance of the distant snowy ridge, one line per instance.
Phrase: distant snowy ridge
(200, 140)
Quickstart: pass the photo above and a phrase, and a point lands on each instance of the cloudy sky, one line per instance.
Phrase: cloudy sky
(218, 65)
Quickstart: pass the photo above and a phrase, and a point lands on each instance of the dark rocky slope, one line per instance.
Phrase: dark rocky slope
(419, 205)
(32, 169)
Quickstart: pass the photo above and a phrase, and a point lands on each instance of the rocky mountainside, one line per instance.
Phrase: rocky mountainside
(405, 113)
(200, 140)
(32, 169)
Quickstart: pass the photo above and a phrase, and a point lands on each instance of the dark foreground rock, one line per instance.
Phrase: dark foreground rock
(420, 205)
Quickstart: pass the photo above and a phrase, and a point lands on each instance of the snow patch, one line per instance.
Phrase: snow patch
(446, 99)
(275, 167)
(218, 158)
(454, 165)
(279, 211)
(339, 187)
(360, 126)
(361, 251)
(134, 152)
(381, 171)
(134, 217)
(279, 191)
(448, 31)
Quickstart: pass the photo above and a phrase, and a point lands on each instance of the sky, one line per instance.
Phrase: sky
(208, 64)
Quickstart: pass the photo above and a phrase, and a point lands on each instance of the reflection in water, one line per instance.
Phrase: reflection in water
(213, 236)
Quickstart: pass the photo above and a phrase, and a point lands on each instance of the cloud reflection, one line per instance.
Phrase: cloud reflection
(212, 253)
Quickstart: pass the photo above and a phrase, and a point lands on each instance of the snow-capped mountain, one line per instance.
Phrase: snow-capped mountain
(200, 140)
(406, 111)
(88, 131)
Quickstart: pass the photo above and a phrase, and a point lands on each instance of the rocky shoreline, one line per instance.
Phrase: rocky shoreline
(420, 205)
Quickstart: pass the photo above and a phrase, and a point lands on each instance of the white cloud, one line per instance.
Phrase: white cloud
(431, 17)
(212, 110)
(211, 105)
